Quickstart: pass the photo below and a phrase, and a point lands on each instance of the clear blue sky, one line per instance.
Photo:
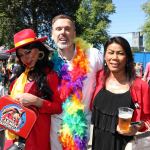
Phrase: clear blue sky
(129, 17)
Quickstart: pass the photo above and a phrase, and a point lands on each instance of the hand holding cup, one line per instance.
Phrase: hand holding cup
(125, 116)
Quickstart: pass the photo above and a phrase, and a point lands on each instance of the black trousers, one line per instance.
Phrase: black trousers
(2, 139)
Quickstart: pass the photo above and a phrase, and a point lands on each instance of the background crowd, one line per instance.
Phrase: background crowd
(9, 67)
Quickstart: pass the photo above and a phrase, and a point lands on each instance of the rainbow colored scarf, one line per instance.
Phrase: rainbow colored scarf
(73, 132)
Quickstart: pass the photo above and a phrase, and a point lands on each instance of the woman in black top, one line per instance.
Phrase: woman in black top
(115, 92)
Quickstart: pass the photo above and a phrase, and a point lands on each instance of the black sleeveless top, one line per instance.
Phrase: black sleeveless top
(105, 120)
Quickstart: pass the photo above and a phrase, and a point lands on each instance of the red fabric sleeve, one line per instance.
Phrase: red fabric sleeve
(54, 106)
(140, 92)
(145, 116)
(100, 78)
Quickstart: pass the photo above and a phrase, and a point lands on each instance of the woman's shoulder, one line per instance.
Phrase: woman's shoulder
(138, 82)
(100, 76)
(51, 74)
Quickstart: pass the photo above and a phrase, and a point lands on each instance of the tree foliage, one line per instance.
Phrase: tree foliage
(146, 26)
(91, 16)
(93, 20)
(36, 14)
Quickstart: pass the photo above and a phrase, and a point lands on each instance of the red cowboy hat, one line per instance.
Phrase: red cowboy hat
(25, 37)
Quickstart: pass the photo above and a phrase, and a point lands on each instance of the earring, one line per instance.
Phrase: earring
(41, 55)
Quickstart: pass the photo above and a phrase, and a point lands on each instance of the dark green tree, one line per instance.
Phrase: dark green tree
(146, 26)
(91, 16)
(36, 14)
(9, 20)
(93, 20)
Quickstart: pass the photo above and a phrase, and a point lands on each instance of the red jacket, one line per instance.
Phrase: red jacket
(39, 137)
(140, 93)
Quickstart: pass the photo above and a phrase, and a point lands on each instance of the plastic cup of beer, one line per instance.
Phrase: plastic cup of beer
(125, 115)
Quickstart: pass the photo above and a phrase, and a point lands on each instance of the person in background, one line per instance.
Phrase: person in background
(1, 78)
(5, 76)
(16, 71)
(35, 88)
(2, 138)
(3, 92)
(138, 69)
(76, 62)
(117, 86)
(10, 63)
(141, 70)
(146, 76)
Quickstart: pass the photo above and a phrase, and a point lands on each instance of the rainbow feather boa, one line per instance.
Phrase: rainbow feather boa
(73, 132)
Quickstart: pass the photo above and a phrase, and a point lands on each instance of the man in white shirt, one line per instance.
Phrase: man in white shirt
(63, 34)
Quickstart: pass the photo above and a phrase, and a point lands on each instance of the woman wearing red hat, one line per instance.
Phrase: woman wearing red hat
(36, 87)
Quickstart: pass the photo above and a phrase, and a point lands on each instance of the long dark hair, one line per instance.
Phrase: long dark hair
(129, 68)
(38, 73)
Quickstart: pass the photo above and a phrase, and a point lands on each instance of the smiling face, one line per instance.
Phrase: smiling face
(28, 57)
(115, 58)
(63, 33)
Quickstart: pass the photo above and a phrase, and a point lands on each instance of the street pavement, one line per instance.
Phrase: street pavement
(141, 144)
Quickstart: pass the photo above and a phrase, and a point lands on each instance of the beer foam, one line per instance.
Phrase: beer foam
(125, 116)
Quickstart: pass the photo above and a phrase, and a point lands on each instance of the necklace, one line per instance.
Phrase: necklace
(117, 87)
(73, 132)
